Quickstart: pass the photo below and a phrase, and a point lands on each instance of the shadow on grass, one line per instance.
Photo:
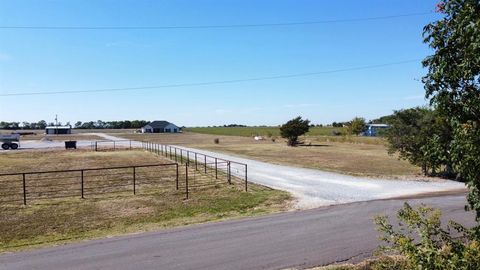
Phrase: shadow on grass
(314, 145)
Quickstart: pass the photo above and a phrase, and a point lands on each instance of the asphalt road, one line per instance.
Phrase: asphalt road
(341, 233)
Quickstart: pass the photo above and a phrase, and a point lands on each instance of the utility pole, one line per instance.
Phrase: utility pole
(56, 124)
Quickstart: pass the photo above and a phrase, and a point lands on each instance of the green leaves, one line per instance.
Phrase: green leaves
(422, 137)
(293, 129)
(453, 71)
(425, 244)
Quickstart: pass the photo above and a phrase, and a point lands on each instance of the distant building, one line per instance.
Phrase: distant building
(55, 130)
(161, 127)
(374, 129)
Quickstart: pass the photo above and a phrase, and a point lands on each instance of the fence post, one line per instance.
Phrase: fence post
(170, 152)
(181, 156)
(176, 155)
(188, 158)
(229, 173)
(196, 163)
(130, 144)
(134, 180)
(96, 146)
(246, 177)
(176, 179)
(24, 190)
(186, 181)
(205, 160)
(82, 185)
(114, 145)
(216, 168)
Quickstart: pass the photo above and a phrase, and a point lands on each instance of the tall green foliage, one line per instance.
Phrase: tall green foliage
(421, 136)
(466, 157)
(453, 84)
(357, 125)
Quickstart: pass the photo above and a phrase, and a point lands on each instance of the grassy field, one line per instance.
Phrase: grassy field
(348, 156)
(258, 131)
(56, 221)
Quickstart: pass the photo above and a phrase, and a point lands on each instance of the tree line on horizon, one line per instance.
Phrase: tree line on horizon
(99, 124)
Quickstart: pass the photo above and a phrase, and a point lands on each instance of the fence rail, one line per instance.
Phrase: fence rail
(201, 162)
(111, 145)
(28, 186)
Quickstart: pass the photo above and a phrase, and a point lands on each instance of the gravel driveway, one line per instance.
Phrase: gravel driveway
(314, 188)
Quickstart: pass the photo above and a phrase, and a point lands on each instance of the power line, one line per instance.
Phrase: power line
(211, 82)
(26, 27)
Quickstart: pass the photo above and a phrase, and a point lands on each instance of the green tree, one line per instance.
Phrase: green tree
(357, 126)
(421, 136)
(293, 129)
(42, 124)
(453, 84)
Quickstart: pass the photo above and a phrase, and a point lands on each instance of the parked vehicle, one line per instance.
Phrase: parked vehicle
(10, 141)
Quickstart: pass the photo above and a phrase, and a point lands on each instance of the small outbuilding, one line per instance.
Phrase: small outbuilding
(161, 127)
(55, 130)
(374, 129)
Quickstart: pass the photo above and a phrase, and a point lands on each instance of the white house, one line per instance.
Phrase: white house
(161, 127)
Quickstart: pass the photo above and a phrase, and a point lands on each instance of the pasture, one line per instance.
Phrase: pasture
(258, 131)
(157, 203)
(360, 156)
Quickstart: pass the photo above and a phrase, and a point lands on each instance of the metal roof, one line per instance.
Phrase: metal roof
(378, 125)
(59, 127)
(159, 124)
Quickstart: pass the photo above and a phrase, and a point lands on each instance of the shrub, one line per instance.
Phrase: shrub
(293, 129)
(216, 140)
(423, 242)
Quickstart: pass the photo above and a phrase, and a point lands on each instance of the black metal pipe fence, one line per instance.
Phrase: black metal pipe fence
(90, 182)
(209, 165)
(111, 145)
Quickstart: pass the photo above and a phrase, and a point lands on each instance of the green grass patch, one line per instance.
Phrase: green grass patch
(258, 131)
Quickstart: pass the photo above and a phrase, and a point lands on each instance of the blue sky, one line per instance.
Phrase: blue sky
(64, 60)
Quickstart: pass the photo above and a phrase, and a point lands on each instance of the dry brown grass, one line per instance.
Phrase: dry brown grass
(156, 205)
(20, 161)
(362, 159)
